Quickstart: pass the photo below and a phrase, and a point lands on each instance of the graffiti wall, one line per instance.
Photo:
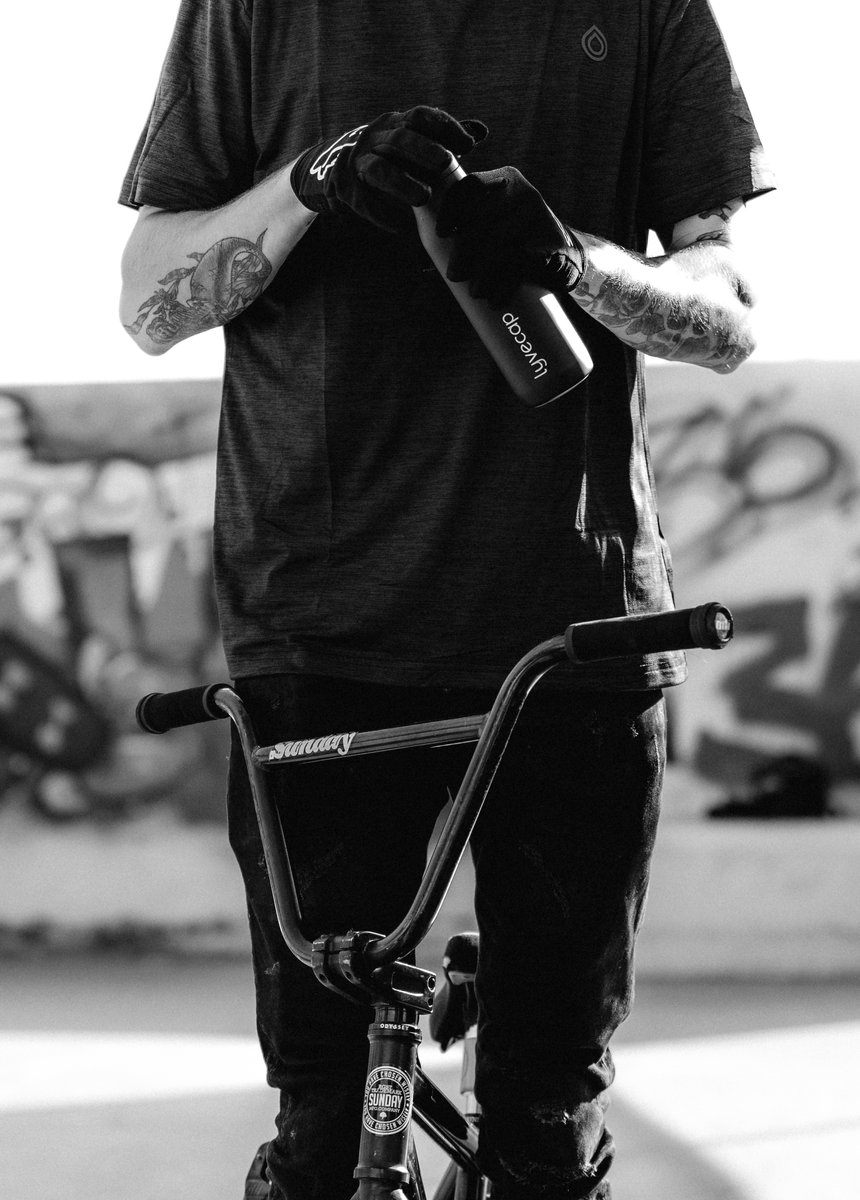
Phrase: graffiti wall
(758, 482)
(105, 588)
(106, 594)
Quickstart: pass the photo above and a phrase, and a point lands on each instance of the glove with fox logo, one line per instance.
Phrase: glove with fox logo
(504, 233)
(382, 170)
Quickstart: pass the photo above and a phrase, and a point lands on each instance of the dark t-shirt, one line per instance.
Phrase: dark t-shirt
(386, 508)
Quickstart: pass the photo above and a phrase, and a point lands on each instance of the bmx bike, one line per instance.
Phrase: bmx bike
(368, 967)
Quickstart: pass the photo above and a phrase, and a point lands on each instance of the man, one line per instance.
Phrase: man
(394, 528)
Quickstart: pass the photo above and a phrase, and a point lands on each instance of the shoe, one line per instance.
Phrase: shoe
(790, 786)
(257, 1181)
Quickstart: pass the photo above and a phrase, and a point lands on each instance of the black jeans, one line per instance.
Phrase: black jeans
(561, 859)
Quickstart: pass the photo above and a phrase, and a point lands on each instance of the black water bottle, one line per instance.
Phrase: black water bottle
(532, 339)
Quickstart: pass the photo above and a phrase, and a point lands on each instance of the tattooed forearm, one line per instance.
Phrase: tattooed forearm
(224, 280)
(688, 306)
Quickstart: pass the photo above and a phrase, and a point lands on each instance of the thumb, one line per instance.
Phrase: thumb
(559, 271)
(466, 201)
(477, 130)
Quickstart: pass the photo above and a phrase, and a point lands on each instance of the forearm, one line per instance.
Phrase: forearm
(186, 272)
(688, 306)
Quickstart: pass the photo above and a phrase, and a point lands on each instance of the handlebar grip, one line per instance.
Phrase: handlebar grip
(160, 711)
(708, 626)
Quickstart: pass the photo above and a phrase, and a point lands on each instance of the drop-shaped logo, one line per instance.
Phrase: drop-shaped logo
(594, 44)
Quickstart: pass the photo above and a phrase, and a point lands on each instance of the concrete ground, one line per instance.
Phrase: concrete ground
(140, 1079)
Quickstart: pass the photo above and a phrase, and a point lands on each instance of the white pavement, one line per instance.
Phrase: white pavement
(777, 1113)
(772, 1115)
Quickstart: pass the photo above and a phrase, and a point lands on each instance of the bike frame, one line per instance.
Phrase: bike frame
(367, 967)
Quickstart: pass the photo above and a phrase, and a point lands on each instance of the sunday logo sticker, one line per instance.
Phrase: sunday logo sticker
(339, 742)
(387, 1100)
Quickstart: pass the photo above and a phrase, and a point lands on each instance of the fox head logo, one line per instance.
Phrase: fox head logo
(324, 162)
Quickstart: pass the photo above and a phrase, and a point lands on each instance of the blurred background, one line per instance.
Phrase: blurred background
(122, 934)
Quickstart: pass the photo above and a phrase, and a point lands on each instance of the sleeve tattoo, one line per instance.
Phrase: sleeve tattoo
(669, 322)
(222, 283)
(665, 326)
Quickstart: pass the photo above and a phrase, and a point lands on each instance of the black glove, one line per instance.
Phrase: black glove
(382, 169)
(504, 234)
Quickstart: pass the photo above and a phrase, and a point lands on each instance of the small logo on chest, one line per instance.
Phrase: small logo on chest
(594, 44)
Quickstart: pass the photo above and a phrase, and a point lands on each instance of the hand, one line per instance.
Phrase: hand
(504, 234)
(381, 170)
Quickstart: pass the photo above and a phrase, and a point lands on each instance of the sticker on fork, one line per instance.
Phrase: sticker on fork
(387, 1100)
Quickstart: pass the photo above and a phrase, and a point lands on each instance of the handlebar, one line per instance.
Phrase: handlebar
(708, 626)
(160, 711)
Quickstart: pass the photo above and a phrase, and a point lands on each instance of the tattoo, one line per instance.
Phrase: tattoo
(694, 311)
(715, 235)
(711, 224)
(681, 327)
(723, 211)
(224, 280)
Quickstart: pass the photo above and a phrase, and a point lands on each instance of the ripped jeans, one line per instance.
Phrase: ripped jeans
(561, 855)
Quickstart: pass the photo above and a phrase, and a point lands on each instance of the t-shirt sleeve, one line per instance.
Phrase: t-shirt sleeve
(702, 147)
(197, 147)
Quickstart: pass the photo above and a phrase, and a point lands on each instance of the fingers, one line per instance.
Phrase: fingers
(405, 158)
(389, 177)
(439, 126)
(477, 131)
(412, 152)
(381, 170)
(496, 279)
(492, 280)
(503, 233)
(560, 271)
(463, 204)
(484, 200)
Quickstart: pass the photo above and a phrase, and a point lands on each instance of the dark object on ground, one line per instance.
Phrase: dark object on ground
(788, 786)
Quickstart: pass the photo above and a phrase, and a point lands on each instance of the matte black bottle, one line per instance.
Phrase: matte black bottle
(532, 339)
